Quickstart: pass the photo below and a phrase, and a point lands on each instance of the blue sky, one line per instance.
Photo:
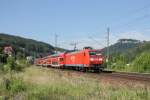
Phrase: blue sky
(82, 21)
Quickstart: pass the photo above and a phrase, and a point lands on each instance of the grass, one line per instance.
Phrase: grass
(51, 84)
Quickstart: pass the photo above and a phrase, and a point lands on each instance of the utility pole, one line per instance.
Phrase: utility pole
(56, 36)
(108, 30)
(75, 45)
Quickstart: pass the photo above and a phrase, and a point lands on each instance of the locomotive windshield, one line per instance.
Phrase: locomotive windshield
(92, 53)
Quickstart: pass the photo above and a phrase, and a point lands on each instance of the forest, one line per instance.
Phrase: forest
(129, 55)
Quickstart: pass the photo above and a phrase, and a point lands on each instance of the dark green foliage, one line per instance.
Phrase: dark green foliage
(1, 50)
(3, 57)
(142, 62)
(20, 55)
(130, 55)
(21, 64)
(11, 63)
(13, 84)
(1, 67)
(17, 85)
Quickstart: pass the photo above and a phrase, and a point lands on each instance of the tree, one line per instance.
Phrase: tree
(142, 62)
(20, 55)
(1, 50)
(11, 63)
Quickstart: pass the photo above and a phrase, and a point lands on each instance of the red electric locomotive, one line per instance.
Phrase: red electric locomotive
(86, 59)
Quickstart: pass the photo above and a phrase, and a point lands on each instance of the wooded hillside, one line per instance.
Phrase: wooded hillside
(24, 45)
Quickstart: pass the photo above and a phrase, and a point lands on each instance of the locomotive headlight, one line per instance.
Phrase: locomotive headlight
(100, 59)
(91, 59)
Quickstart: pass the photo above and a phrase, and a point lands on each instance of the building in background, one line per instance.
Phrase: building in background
(8, 50)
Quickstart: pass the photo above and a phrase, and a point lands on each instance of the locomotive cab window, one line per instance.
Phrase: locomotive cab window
(92, 53)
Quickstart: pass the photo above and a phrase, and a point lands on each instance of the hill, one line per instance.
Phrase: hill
(26, 46)
(122, 45)
(129, 54)
(132, 53)
(129, 48)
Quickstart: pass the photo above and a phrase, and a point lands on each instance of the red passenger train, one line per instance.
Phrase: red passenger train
(86, 59)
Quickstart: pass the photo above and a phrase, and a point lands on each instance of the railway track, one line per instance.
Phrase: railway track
(114, 75)
(123, 75)
(131, 76)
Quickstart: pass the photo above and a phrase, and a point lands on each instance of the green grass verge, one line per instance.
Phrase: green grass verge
(49, 84)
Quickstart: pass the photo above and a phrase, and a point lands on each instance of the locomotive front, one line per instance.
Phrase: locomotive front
(96, 59)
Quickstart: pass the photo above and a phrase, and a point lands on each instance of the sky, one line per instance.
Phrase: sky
(84, 22)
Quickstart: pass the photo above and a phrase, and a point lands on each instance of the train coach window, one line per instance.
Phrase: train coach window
(61, 59)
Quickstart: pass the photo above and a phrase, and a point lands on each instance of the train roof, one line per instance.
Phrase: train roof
(69, 52)
(58, 54)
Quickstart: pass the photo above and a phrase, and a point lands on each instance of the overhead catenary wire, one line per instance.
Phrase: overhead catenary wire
(124, 25)
(120, 26)
(56, 36)
(139, 9)
(96, 41)
(127, 24)
(108, 30)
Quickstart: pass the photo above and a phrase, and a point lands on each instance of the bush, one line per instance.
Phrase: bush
(118, 62)
(20, 55)
(142, 63)
(11, 63)
(13, 84)
(11, 87)
(6, 68)
(19, 67)
(1, 66)
(21, 64)
(17, 85)
(3, 58)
